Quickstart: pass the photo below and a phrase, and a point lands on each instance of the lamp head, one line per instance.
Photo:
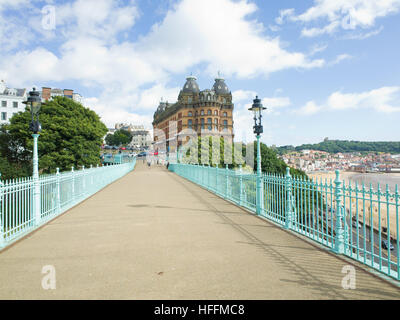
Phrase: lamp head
(34, 102)
(257, 107)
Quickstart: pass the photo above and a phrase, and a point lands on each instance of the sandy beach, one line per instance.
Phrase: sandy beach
(390, 179)
(385, 202)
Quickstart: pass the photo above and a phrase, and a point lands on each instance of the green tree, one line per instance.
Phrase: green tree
(71, 136)
(13, 170)
(204, 150)
(270, 163)
(120, 137)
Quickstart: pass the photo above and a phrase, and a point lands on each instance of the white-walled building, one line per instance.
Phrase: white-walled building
(10, 102)
(141, 137)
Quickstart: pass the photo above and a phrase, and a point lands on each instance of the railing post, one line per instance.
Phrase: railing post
(289, 206)
(340, 218)
(36, 181)
(83, 180)
(58, 190)
(259, 181)
(216, 179)
(202, 175)
(208, 176)
(241, 186)
(73, 184)
(91, 176)
(226, 181)
(2, 241)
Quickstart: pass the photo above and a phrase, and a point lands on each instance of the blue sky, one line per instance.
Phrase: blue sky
(324, 68)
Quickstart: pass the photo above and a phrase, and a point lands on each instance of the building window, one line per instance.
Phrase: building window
(225, 124)
(189, 100)
(224, 100)
(209, 112)
(4, 103)
(216, 121)
(202, 112)
(216, 112)
(202, 123)
(15, 104)
(4, 116)
(208, 98)
(190, 123)
(190, 114)
(225, 114)
(209, 123)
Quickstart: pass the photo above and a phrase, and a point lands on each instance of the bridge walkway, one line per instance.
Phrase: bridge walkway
(154, 235)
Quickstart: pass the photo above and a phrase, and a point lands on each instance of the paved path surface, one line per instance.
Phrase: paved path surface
(154, 235)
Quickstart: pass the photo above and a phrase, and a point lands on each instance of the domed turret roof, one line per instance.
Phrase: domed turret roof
(191, 85)
(220, 86)
(161, 106)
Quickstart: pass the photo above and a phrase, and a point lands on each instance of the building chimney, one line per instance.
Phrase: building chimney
(68, 93)
(46, 93)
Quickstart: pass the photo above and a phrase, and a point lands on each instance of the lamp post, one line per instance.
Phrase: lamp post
(257, 109)
(34, 103)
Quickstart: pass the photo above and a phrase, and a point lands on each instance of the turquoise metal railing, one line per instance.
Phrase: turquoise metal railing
(58, 193)
(347, 218)
(116, 158)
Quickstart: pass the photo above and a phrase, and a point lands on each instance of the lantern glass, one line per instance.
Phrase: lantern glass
(35, 107)
(256, 111)
(257, 107)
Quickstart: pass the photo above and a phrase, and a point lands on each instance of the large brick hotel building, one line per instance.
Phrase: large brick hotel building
(207, 112)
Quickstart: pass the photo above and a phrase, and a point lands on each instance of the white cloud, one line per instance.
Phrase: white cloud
(309, 108)
(385, 99)
(97, 18)
(111, 114)
(317, 49)
(229, 41)
(340, 58)
(12, 3)
(12, 33)
(243, 95)
(283, 14)
(243, 118)
(364, 35)
(272, 104)
(341, 14)
(150, 98)
(132, 76)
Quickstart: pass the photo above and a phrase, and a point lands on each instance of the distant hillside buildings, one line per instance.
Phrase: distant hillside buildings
(314, 160)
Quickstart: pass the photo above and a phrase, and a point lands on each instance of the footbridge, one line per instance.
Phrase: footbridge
(158, 233)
